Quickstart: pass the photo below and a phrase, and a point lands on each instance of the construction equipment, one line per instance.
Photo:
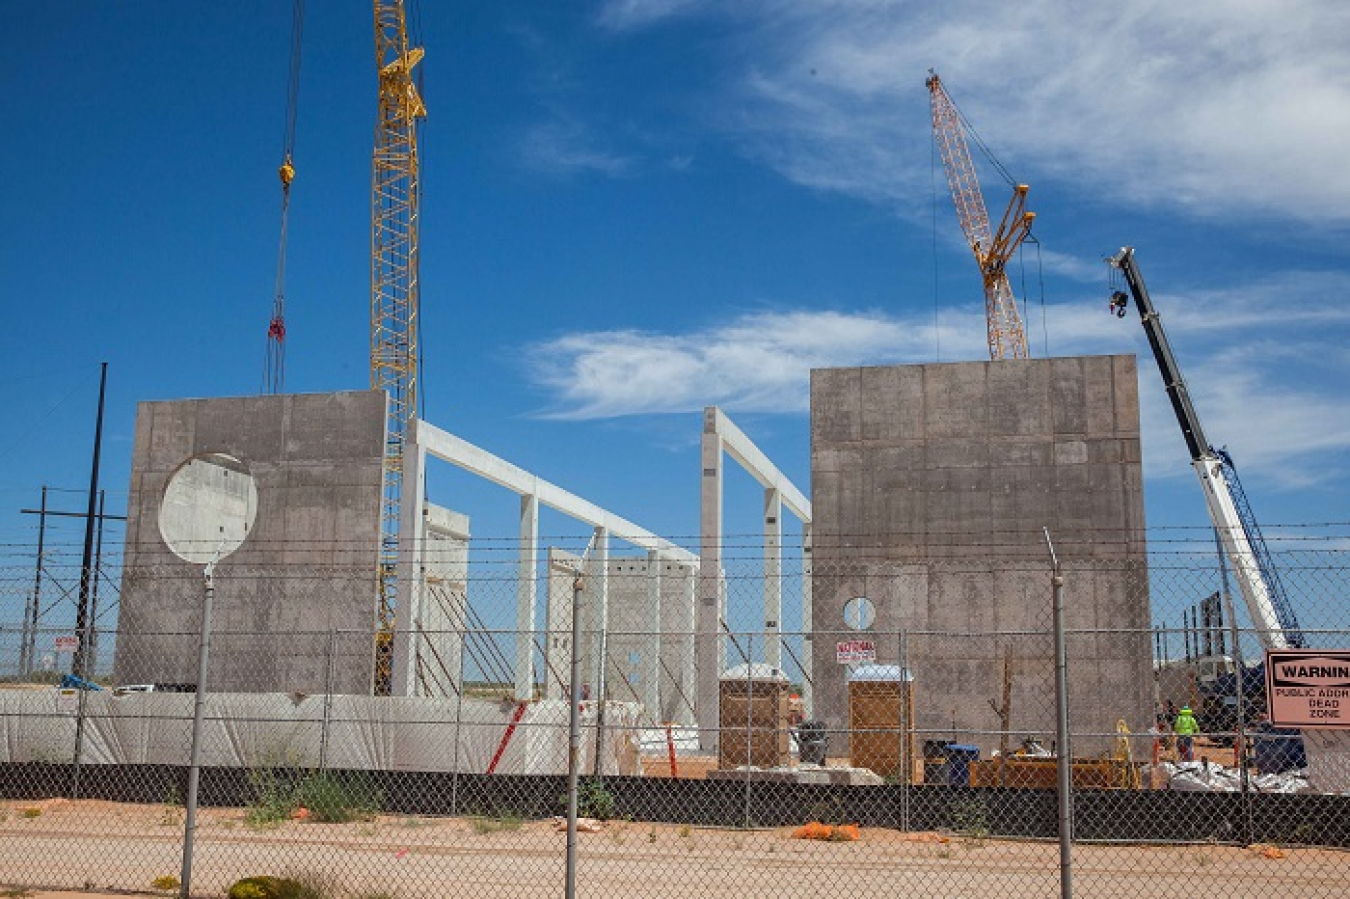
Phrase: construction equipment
(274, 374)
(394, 291)
(1270, 610)
(992, 249)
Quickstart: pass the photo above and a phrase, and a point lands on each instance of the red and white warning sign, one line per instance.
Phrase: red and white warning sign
(1308, 687)
(851, 652)
(66, 643)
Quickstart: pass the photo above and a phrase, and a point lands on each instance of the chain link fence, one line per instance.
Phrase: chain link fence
(842, 755)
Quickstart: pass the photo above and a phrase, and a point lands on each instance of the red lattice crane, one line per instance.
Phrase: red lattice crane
(992, 249)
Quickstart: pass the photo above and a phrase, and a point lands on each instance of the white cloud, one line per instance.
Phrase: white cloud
(1235, 350)
(627, 15)
(1213, 106)
(563, 147)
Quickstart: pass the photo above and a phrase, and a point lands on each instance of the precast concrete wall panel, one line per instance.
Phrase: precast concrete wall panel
(931, 485)
(317, 463)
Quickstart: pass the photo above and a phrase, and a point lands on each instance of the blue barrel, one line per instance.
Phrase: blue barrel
(959, 757)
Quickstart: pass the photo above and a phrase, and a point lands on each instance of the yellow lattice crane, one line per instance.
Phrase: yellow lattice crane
(394, 293)
(992, 249)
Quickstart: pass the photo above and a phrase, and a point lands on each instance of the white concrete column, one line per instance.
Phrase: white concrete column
(651, 671)
(708, 642)
(773, 578)
(808, 647)
(411, 581)
(527, 582)
(683, 711)
(598, 590)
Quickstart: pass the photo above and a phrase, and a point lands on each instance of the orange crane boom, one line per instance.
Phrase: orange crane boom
(394, 289)
(992, 249)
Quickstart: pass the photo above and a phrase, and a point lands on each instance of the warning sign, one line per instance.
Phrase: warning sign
(1308, 687)
(851, 652)
(66, 643)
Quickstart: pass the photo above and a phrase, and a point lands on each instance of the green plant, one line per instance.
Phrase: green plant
(172, 813)
(301, 886)
(651, 834)
(33, 812)
(594, 800)
(970, 820)
(273, 798)
(15, 893)
(256, 888)
(337, 800)
(167, 882)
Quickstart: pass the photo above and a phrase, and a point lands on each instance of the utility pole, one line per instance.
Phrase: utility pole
(82, 610)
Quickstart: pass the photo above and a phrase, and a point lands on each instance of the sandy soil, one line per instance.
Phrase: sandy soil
(94, 845)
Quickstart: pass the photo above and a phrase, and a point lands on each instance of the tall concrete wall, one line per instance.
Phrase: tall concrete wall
(931, 485)
(306, 568)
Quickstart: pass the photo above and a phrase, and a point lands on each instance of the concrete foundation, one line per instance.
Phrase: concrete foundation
(295, 605)
(932, 485)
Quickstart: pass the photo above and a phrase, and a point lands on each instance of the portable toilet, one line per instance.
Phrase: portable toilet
(753, 718)
(881, 720)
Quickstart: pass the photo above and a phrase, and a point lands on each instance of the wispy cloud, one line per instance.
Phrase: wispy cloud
(761, 362)
(561, 147)
(627, 15)
(1198, 105)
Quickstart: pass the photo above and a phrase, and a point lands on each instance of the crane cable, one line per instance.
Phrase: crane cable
(275, 374)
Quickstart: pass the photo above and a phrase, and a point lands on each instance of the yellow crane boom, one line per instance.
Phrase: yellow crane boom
(992, 249)
(394, 291)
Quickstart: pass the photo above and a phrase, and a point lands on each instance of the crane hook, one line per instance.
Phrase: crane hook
(1119, 303)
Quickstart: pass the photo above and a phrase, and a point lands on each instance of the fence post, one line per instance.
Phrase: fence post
(198, 712)
(1064, 761)
(327, 700)
(906, 730)
(573, 739)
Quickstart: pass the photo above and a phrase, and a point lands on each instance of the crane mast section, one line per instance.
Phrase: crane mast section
(394, 278)
(992, 249)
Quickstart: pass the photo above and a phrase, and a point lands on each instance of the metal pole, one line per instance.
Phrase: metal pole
(906, 731)
(327, 700)
(198, 712)
(30, 635)
(1064, 766)
(574, 739)
(98, 569)
(80, 666)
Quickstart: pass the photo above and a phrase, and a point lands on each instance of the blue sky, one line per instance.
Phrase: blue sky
(636, 209)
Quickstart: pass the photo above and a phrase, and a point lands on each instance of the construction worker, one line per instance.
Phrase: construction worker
(1185, 728)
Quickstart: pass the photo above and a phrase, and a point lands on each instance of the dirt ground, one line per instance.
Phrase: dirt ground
(94, 846)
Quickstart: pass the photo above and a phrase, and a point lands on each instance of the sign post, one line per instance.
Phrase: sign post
(1308, 687)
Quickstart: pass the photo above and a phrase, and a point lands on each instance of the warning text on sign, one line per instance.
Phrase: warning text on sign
(1308, 687)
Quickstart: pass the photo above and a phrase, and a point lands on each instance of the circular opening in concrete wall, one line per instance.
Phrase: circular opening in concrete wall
(208, 508)
(859, 613)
